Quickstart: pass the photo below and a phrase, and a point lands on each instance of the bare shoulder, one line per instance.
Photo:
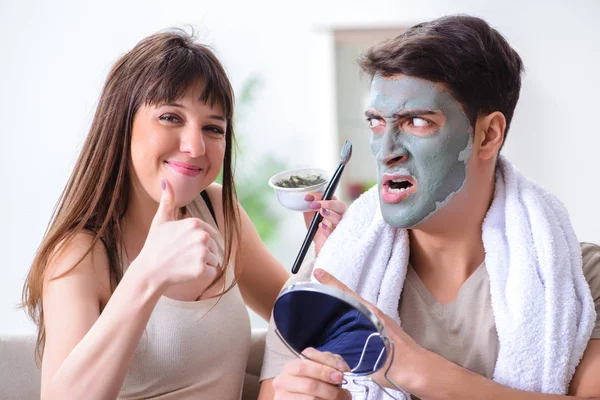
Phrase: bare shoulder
(83, 262)
(215, 193)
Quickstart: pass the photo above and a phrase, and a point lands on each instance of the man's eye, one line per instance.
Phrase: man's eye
(419, 122)
(375, 122)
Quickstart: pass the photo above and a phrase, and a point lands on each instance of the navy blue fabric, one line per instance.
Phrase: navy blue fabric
(312, 319)
(347, 337)
(302, 317)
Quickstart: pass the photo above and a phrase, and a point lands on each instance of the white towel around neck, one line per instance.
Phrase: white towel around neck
(542, 304)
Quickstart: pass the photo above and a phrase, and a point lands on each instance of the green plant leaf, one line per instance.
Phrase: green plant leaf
(254, 193)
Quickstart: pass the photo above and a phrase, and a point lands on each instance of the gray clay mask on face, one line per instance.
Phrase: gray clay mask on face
(434, 165)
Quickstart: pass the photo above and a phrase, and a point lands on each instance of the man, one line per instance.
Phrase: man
(494, 297)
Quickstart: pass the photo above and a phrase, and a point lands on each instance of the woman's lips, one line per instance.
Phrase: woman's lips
(184, 168)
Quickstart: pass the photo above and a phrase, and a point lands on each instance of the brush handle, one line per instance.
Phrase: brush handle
(314, 225)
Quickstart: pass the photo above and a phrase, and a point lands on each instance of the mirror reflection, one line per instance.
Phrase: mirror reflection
(314, 315)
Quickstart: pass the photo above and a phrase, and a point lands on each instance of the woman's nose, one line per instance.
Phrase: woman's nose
(192, 142)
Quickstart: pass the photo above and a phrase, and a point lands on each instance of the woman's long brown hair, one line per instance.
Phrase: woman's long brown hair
(159, 69)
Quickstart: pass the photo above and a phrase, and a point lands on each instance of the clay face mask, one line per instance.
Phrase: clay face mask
(297, 181)
(422, 141)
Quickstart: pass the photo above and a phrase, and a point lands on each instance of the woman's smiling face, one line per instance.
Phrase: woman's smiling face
(182, 142)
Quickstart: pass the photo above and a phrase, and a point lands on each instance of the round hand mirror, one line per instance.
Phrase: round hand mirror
(330, 320)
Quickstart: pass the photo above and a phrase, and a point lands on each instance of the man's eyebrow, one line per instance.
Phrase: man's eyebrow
(372, 114)
(411, 113)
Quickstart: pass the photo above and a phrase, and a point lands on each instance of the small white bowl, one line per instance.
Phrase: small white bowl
(293, 198)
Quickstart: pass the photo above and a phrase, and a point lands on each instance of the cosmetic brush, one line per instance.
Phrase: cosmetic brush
(345, 155)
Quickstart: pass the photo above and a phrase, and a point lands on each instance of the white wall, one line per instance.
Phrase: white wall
(55, 56)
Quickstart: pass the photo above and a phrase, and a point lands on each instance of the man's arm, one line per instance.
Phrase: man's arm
(449, 381)
(432, 377)
(442, 379)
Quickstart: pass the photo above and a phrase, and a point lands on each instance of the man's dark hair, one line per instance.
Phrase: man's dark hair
(464, 53)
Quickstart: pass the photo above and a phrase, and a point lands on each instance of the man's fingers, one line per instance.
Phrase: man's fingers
(326, 278)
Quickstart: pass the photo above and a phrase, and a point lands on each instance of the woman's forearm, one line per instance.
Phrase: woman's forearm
(96, 367)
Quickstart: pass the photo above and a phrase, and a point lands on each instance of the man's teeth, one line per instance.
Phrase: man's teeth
(391, 189)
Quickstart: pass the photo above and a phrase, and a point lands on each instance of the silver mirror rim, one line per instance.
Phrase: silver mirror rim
(340, 295)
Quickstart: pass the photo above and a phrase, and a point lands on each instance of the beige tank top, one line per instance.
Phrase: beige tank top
(192, 349)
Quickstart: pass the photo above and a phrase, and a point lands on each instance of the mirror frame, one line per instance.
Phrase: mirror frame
(345, 297)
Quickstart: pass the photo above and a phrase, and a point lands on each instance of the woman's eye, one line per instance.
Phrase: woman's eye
(374, 122)
(169, 118)
(419, 122)
(215, 129)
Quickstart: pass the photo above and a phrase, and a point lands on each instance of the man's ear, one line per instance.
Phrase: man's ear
(490, 134)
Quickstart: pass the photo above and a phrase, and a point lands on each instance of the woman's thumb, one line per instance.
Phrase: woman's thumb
(166, 206)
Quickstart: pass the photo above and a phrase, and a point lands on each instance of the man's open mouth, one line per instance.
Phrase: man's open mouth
(396, 188)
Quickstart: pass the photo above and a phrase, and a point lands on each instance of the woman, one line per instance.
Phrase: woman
(140, 286)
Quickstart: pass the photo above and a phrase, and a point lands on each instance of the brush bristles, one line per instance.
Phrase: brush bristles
(346, 153)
